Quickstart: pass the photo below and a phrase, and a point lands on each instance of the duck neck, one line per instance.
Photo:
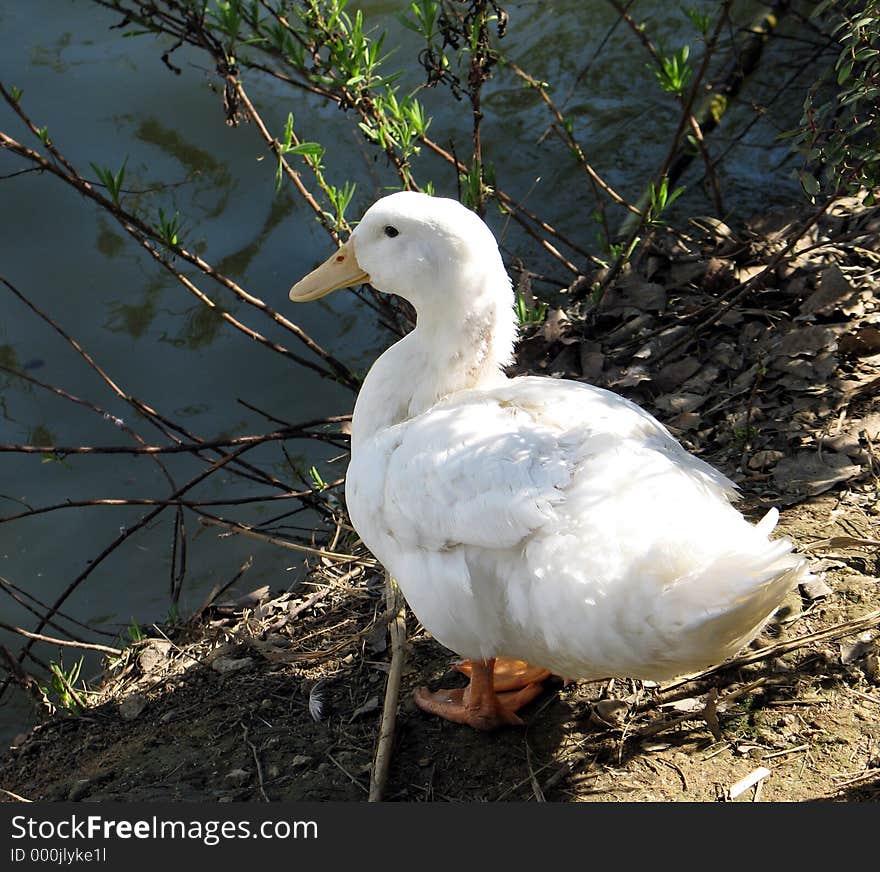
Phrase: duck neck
(447, 352)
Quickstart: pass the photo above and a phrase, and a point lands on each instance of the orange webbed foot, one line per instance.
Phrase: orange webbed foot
(480, 705)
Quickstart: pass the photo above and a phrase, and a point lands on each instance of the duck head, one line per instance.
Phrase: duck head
(429, 250)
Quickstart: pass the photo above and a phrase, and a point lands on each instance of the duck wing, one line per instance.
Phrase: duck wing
(488, 468)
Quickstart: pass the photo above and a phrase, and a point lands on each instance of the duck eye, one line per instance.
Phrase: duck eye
(391, 231)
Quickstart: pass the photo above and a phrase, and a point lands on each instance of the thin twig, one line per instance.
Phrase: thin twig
(253, 748)
(15, 796)
(397, 628)
(67, 643)
(244, 530)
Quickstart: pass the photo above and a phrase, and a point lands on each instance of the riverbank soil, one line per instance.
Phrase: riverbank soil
(277, 694)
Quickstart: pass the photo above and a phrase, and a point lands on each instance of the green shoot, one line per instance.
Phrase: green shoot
(661, 200)
(700, 20)
(169, 229)
(527, 314)
(425, 15)
(313, 152)
(135, 634)
(318, 483)
(111, 181)
(340, 198)
(62, 679)
(675, 72)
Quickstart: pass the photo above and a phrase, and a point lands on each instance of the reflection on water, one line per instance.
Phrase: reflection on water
(198, 162)
(236, 263)
(107, 100)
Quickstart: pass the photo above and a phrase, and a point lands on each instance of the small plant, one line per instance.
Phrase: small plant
(60, 683)
(477, 184)
(618, 250)
(744, 435)
(838, 132)
(700, 20)
(675, 71)
(661, 200)
(526, 314)
(135, 634)
(313, 152)
(340, 198)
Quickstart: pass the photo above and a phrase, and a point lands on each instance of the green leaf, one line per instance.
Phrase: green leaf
(809, 183)
(310, 149)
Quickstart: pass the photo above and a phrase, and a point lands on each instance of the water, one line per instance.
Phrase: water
(105, 99)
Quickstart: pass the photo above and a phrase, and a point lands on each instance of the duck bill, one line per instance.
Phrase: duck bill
(341, 270)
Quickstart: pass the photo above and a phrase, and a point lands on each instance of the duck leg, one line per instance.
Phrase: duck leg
(508, 674)
(480, 704)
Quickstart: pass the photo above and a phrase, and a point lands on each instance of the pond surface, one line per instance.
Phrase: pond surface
(106, 99)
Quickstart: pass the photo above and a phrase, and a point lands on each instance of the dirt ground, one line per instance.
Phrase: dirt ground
(277, 695)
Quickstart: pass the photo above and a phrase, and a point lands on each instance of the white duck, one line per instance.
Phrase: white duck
(532, 518)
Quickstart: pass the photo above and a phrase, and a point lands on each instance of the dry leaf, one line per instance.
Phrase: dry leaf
(592, 360)
(154, 654)
(672, 375)
(865, 341)
(679, 403)
(763, 459)
(815, 588)
(807, 473)
(852, 650)
(251, 599)
(746, 273)
(238, 777)
(834, 290)
(806, 340)
(131, 706)
(628, 377)
(844, 443)
(228, 665)
(872, 667)
(634, 292)
(685, 422)
(685, 706)
(609, 712)
(371, 705)
(556, 327)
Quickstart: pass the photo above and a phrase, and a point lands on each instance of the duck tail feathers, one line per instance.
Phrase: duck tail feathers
(750, 592)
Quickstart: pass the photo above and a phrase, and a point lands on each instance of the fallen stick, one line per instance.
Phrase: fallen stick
(753, 779)
(68, 643)
(397, 629)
